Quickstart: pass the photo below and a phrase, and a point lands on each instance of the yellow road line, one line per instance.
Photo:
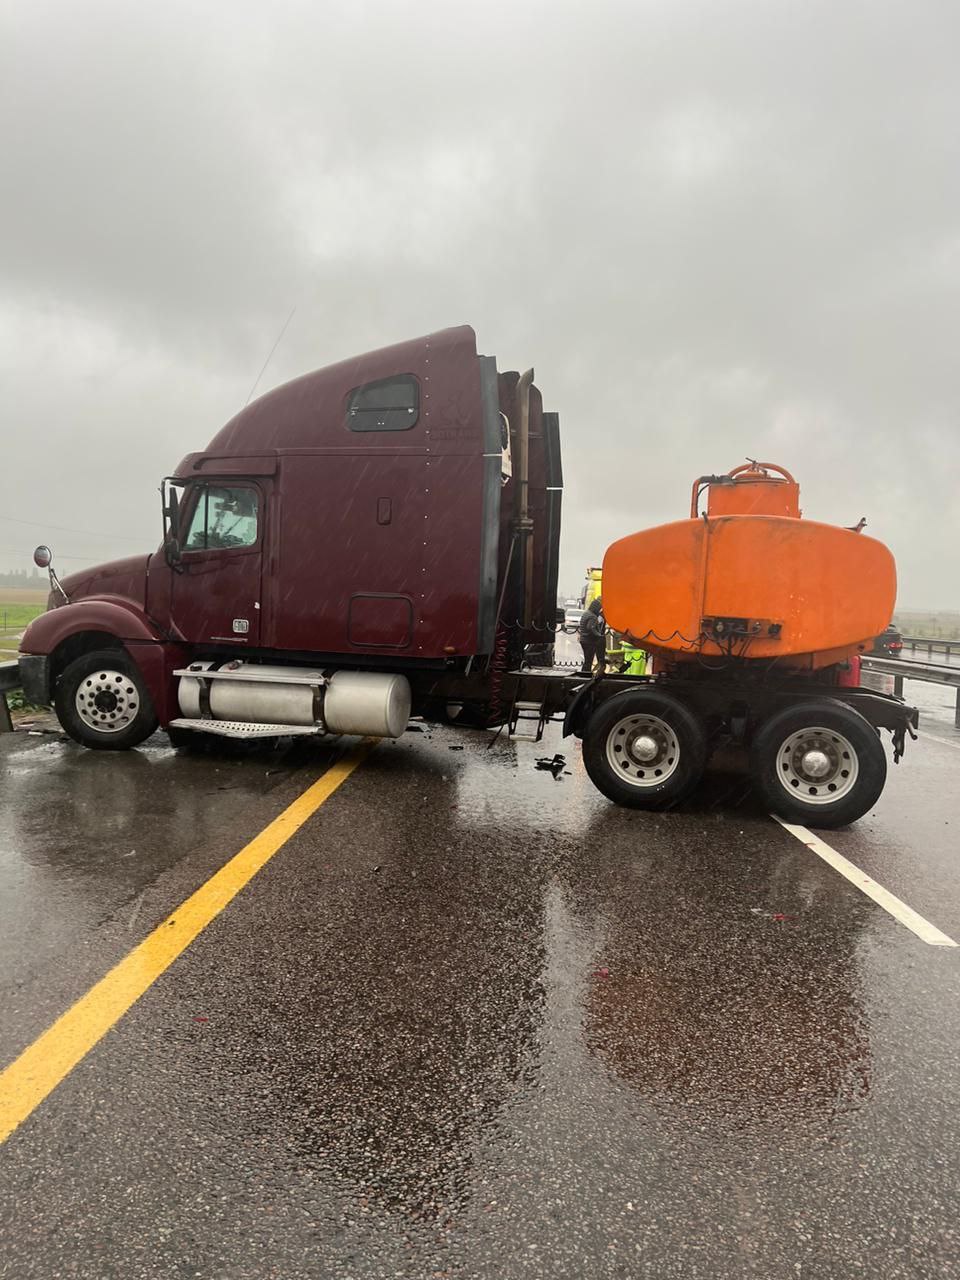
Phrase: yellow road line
(54, 1054)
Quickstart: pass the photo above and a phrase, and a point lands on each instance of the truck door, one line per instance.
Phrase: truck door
(216, 597)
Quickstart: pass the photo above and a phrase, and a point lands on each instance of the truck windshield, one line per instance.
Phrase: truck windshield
(223, 517)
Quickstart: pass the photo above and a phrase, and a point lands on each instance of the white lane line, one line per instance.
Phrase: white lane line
(932, 737)
(866, 884)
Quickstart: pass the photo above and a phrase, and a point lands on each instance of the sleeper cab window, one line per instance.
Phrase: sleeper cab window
(389, 404)
(224, 517)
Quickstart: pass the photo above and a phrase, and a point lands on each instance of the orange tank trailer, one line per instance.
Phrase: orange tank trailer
(750, 579)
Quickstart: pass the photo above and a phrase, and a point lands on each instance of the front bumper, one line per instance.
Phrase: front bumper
(35, 679)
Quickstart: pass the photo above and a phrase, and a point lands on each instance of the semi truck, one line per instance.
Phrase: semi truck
(379, 539)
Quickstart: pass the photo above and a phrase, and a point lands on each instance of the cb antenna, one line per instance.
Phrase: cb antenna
(270, 356)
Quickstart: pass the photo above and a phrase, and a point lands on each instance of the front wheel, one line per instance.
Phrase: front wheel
(644, 749)
(103, 703)
(819, 763)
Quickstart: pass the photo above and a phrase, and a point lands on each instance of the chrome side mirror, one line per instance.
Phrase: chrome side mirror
(43, 559)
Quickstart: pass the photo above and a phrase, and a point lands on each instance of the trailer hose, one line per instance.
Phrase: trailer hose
(638, 641)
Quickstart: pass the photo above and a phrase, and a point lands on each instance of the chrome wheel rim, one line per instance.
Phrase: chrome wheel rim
(643, 751)
(817, 765)
(107, 701)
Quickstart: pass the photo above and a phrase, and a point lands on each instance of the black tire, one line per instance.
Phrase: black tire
(197, 743)
(847, 748)
(187, 739)
(624, 728)
(105, 688)
(467, 715)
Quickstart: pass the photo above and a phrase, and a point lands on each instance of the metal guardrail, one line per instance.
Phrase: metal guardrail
(913, 643)
(928, 672)
(9, 680)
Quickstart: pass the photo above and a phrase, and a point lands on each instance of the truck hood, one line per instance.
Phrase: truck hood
(126, 578)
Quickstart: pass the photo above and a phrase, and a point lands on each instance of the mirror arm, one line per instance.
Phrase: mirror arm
(57, 585)
(170, 510)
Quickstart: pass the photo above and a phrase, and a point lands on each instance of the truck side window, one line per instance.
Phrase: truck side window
(223, 518)
(389, 404)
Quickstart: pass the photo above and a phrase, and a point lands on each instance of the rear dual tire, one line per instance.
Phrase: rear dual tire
(467, 715)
(818, 763)
(645, 749)
(189, 740)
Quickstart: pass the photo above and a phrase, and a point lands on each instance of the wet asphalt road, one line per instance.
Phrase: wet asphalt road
(473, 1020)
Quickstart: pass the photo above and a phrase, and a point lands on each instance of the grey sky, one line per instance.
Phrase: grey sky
(717, 230)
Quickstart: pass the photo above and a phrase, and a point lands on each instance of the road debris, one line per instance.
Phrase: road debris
(555, 765)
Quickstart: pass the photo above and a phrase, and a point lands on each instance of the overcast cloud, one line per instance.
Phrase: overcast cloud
(716, 229)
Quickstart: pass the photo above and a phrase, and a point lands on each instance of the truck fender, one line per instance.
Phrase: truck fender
(55, 638)
(578, 712)
(591, 694)
(47, 632)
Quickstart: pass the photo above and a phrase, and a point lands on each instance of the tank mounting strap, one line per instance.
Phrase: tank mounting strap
(314, 678)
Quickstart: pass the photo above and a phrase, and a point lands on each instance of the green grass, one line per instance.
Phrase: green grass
(15, 616)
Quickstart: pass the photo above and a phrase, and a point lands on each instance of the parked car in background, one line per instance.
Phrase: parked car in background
(572, 613)
(889, 643)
